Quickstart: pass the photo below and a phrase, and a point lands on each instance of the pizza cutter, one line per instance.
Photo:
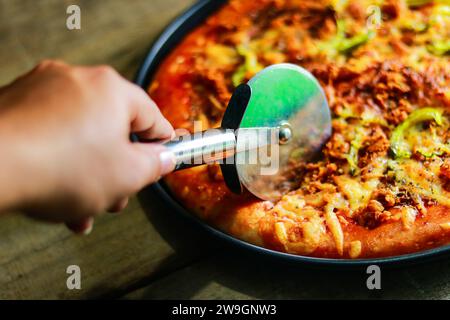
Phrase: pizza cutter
(275, 122)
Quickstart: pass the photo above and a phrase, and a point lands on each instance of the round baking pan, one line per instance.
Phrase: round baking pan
(167, 41)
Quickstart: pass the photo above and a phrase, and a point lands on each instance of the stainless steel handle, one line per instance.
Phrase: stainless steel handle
(202, 147)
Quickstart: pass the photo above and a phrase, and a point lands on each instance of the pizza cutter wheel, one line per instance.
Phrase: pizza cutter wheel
(277, 121)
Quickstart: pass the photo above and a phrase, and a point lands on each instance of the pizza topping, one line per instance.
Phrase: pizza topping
(439, 47)
(334, 224)
(357, 193)
(301, 237)
(250, 66)
(439, 30)
(372, 215)
(220, 55)
(355, 249)
(420, 178)
(445, 170)
(408, 216)
(399, 146)
(341, 44)
(445, 226)
(355, 145)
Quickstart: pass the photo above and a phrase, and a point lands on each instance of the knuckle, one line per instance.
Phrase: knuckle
(105, 72)
(105, 77)
(72, 79)
(48, 63)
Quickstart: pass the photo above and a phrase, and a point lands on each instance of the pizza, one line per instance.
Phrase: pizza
(382, 184)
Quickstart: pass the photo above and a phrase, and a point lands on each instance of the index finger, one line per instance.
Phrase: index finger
(146, 120)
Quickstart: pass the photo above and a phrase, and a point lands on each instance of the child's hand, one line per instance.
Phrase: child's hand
(64, 142)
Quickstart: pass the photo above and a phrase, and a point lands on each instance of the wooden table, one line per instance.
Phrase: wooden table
(148, 251)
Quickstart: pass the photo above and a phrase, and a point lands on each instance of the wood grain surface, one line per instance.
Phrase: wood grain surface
(148, 251)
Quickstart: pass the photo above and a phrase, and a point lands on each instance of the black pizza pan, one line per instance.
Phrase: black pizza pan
(173, 34)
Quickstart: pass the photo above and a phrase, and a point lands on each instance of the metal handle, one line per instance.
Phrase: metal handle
(203, 147)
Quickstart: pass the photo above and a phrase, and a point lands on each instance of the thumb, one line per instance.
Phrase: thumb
(156, 161)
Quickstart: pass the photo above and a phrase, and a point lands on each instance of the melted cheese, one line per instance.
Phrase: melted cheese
(408, 217)
(304, 242)
(333, 222)
(355, 249)
(299, 227)
(421, 179)
(445, 226)
(357, 193)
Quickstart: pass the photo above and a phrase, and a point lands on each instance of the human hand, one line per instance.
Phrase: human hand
(64, 139)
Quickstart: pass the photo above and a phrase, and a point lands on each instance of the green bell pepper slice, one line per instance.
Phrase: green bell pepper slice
(399, 147)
